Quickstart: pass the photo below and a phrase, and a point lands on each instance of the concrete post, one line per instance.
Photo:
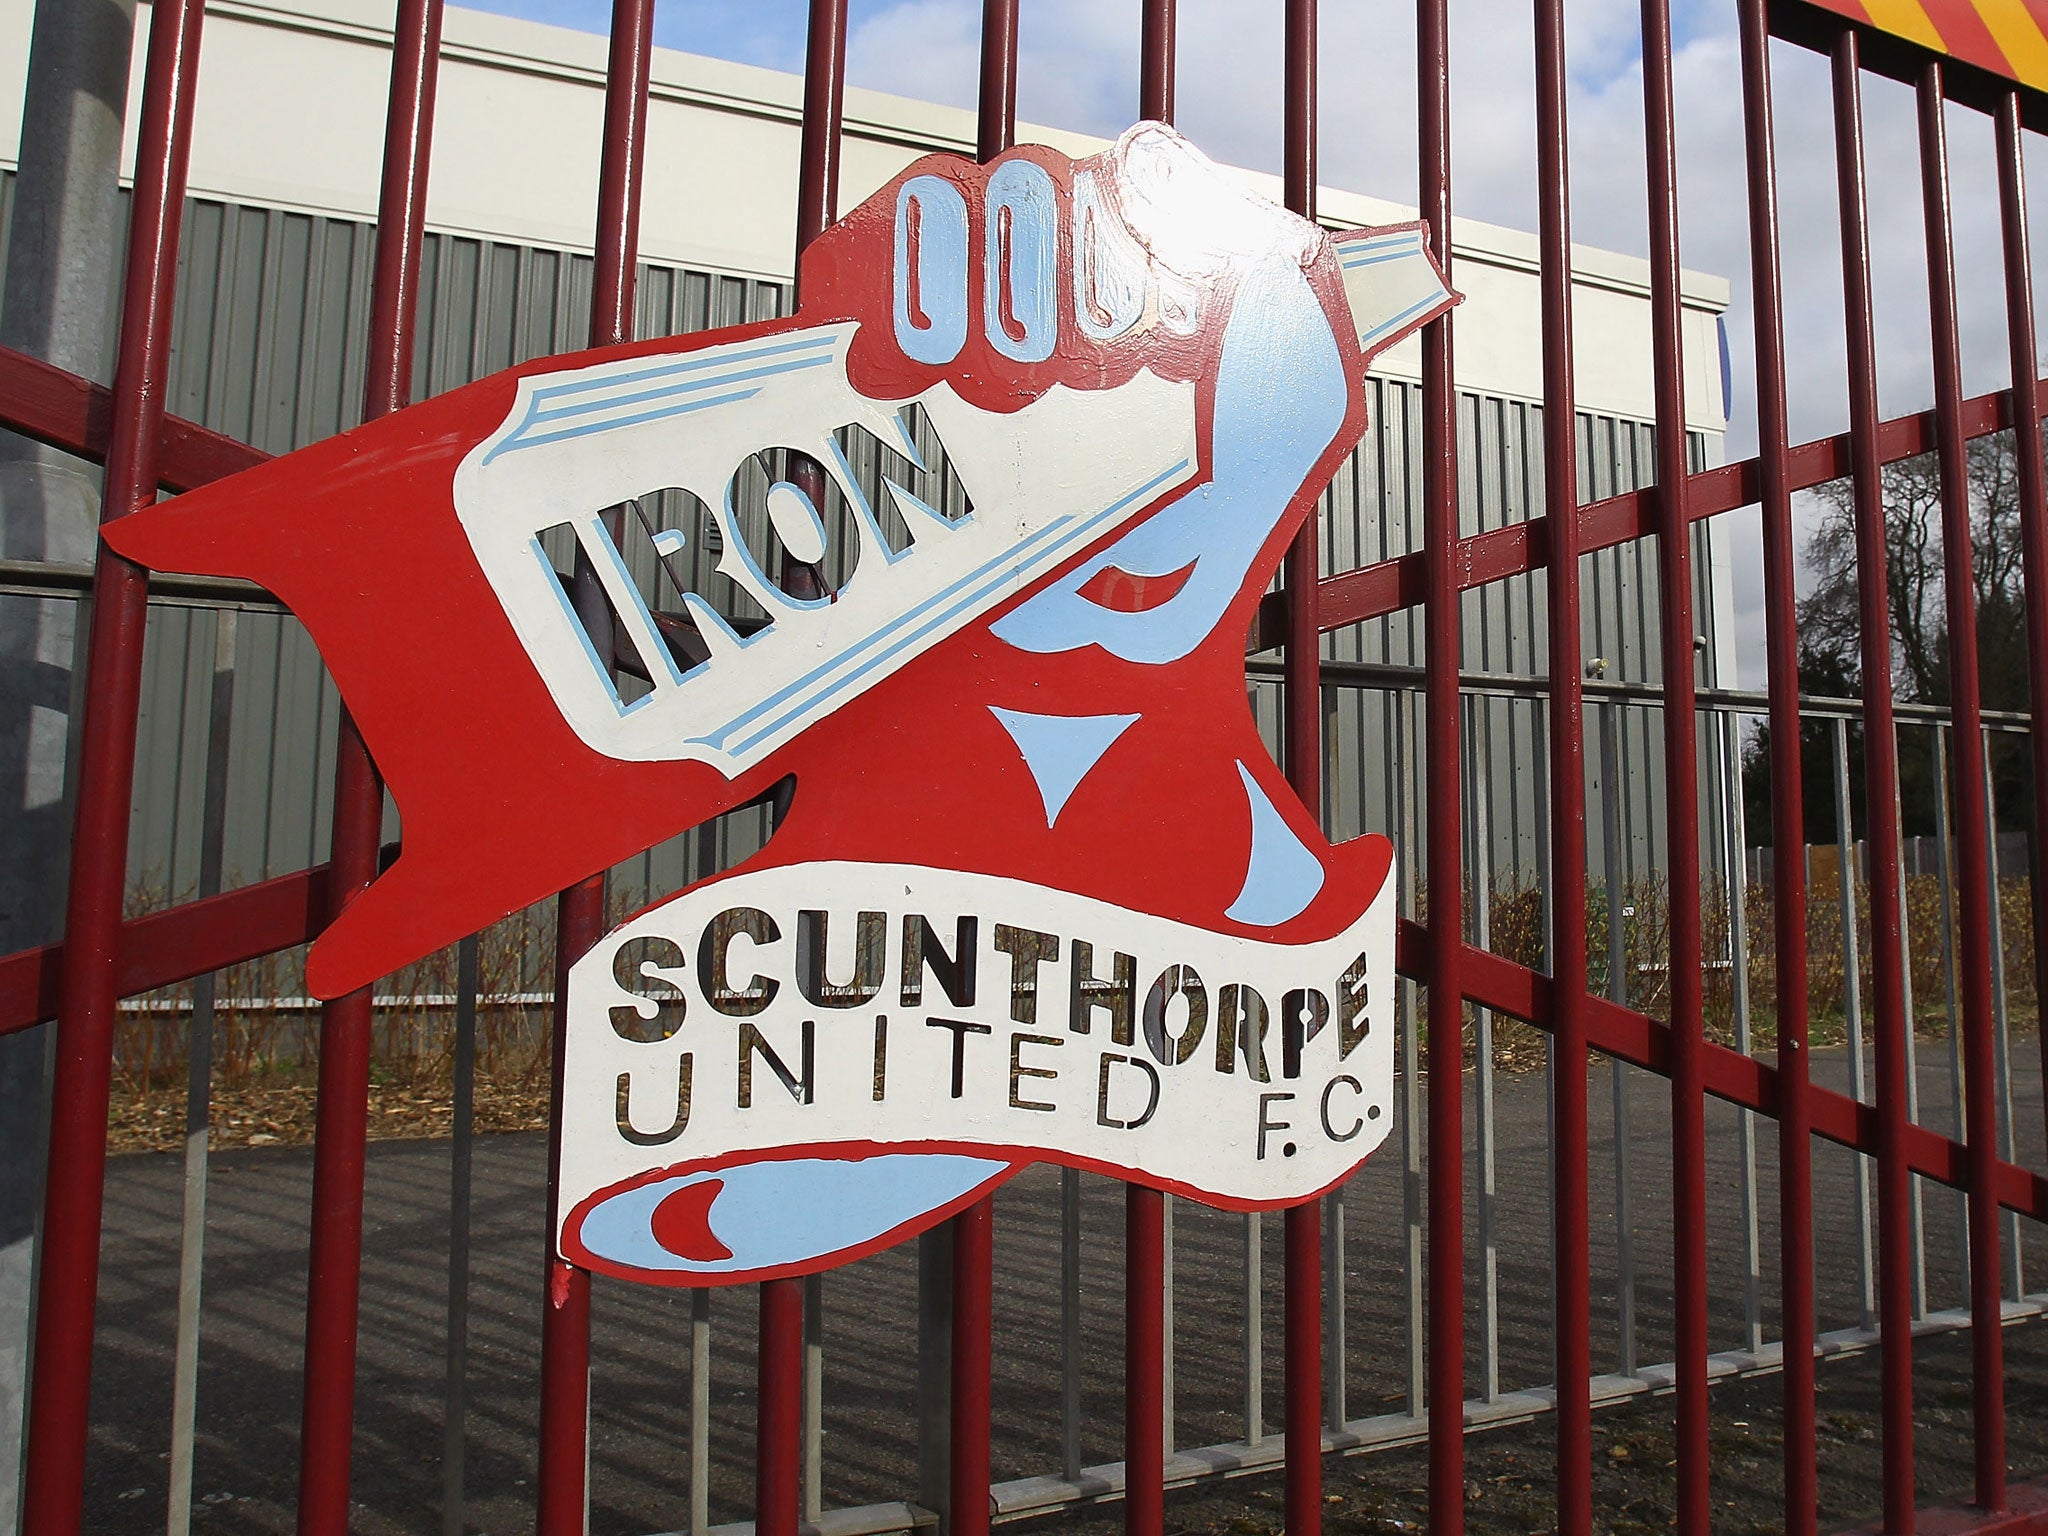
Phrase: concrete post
(59, 291)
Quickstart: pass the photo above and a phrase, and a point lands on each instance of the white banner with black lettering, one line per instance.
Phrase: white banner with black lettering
(831, 1013)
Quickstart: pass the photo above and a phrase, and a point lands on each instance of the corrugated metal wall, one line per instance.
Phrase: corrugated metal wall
(1371, 514)
(268, 347)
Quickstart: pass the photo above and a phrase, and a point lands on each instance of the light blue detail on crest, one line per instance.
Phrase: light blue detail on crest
(931, 301)
(787, 1211)
(612, 400)
(1393, 323)
(1281, 877)
(1060, 749)
(1027, 241)
(1281, 395)
(1109, 269)
(1402, 290)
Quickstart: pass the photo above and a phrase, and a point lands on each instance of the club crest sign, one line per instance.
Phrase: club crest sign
(1039, 892)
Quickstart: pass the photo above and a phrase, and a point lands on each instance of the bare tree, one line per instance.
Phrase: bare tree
(1830, 658)
(1828, 623)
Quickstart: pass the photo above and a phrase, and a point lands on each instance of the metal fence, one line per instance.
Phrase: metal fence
(1908, 1240)
(266, 348)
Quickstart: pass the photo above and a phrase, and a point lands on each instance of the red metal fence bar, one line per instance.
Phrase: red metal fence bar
(1881, 798)
(1571, 1274)
(1972, 813)
(68, 1282)
(1370, 592)
(1788, 829)
(778, 1411)
(562, 1484)
(2033, 484)
(817, 182)
(778, 1408)
(262, 918)
(622, 173)
(1145, 1209)
(335, 1255)
(1144, 1361)
(1155, 60)
(967, 1500)
(43, 401)
(1444, 873)
(1302, 1225)
(68, 412)
(175, 944)
(1739, 1079)
(967, 1494)
(561, 1487)
(996, 119)
(1681, 778)
(65, 411)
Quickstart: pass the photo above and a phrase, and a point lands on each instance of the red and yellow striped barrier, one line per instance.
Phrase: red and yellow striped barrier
(2007, 37)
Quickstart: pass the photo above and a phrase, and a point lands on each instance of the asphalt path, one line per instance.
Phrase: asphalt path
(249, 1399)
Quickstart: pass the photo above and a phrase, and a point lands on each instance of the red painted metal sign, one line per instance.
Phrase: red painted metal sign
(1040, 891)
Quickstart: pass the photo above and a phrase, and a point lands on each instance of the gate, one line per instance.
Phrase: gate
(106, 956)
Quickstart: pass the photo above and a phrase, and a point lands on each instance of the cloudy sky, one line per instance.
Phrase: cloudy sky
(1079, 70)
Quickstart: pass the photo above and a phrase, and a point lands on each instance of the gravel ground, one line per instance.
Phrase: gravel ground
(255, 1285)
(1508, 1472)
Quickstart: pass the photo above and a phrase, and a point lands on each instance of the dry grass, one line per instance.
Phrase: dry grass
(1516, 930)
(265, 1038)
(266, 1046)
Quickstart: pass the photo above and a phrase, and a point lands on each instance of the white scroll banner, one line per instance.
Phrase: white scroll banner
(830, 1013)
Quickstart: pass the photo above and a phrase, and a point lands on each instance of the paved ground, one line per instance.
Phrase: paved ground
(255, 1282)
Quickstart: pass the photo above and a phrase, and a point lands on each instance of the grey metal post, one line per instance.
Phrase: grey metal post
(1166, 1406)
(1335, 1349)
(1944, 865)
(1547, 921)
(935, 1369)
(1412, 1209)
(1852, 1007)
(700, 1412)
(199, 1085)
(1070, 1323)
(1735, 824)
(61, 259)
(2002, 1059)
(1915, 1186)
(1617, 989)
(1254, 1330)
(813, 1413)
(1480, 864)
